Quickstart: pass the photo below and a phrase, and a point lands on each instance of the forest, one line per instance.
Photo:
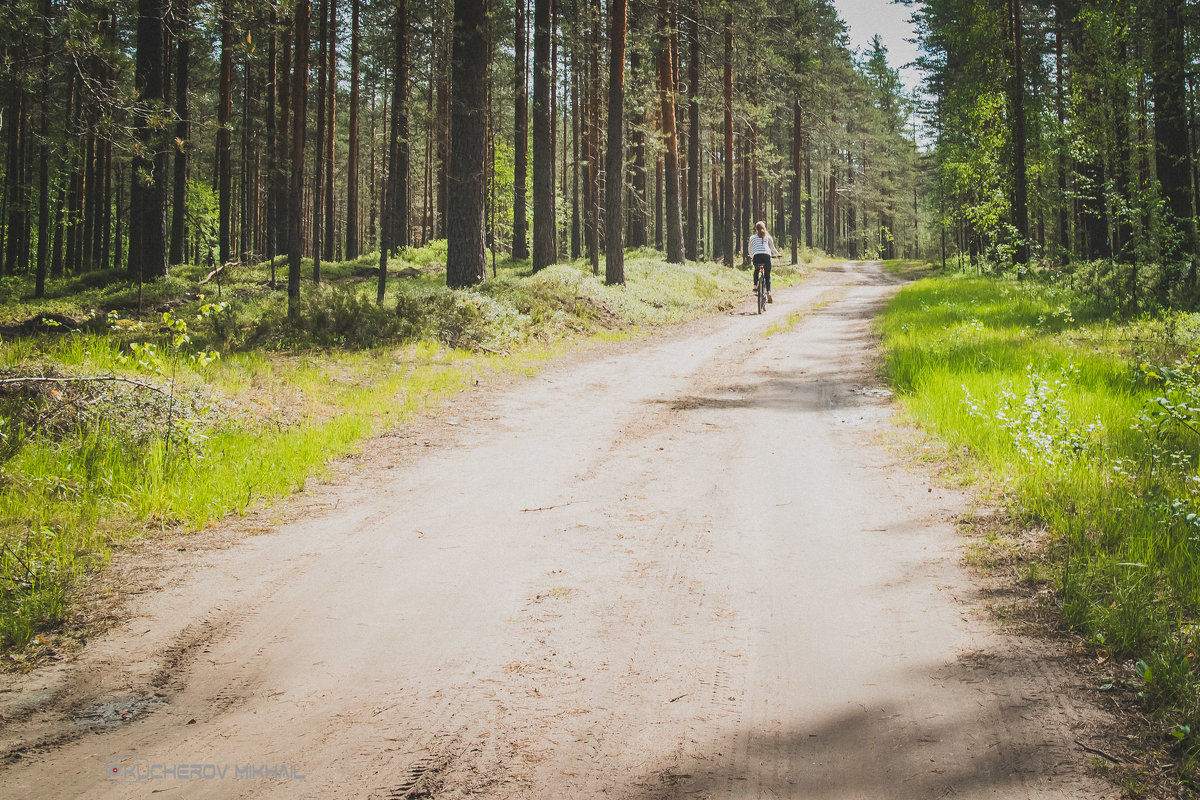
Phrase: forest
(240, 237)
(241, 132)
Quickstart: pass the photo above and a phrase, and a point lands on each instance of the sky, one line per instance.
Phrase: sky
(865, 18)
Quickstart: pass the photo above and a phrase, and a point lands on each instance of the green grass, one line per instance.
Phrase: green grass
(84, 466)
(1061, 410)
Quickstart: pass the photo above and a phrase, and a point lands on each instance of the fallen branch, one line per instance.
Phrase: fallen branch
(1099, 752)
(216, 272)
(85, 379)
(547, 508)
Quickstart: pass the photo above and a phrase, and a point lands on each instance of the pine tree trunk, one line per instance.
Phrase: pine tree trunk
(520, 240)
(1059, 105)
(466, 259)
(14, 188)
(224, 134)
(352, 155)
(46, 9)
(272, 134)
(666, 93)
(545, 248)
(808, 198)
(183, 133)
(797, 138)
(330, 100)
(1020, 193)
(398, 177)
(283, 135)
(692, 237)
(730, 212)
(614, 187)
(299, 99)
(577, 150)
(148, 200)
(443, 117)
(318, 184)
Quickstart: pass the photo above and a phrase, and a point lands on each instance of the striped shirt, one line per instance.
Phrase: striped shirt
(759, 245)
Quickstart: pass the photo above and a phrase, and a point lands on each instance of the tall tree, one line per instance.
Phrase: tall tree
(692, 233)
(520, 243)
(225, 135)
(148, 192)
(400, 153)
(727, 90)
(331, 133)
(545, 247)
(299, 100)
(466, 260)
(1020, 190)
(46, 9)
(614, 186)
(797, 138)
(664, 60)
(352, 154)
(183, 132)
(318, 190)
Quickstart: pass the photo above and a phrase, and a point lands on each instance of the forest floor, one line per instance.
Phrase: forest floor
(695, 565)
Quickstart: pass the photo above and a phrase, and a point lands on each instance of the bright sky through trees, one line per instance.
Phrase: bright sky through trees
(865, 18)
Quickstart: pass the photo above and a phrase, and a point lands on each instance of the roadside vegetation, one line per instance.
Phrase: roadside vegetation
(115, 424)
(1085, 416)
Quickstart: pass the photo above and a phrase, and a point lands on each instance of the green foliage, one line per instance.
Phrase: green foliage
(204, 218)
(1088, 439)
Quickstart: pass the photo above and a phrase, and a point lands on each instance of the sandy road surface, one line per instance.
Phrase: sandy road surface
(676, 568)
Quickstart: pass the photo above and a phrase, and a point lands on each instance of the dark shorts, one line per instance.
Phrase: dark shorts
(764, 260)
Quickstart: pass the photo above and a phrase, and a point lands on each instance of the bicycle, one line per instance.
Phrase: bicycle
(760, 288)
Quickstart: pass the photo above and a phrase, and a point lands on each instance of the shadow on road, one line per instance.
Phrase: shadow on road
(972, 731)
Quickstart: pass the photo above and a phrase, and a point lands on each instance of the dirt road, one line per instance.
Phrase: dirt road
(679, 567)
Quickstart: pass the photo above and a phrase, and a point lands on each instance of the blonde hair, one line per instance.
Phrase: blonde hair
(761, 227)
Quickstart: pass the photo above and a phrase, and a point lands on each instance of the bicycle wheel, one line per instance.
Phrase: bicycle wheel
(760, 287)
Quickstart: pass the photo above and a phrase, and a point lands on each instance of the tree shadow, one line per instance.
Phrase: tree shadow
(987, 742)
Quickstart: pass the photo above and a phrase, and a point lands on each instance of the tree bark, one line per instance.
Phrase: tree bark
(1020, 193)
(545, 248)
(225, 134)
(520, 241)
(148, 249)
(299, 99)
(692, 233)
(183, 132)
(283, 130)
(466, 259)
(271, 136)
(797, 138)
(730, 211)
(330, 234)
(614, 187)
(666, 93)
(318, 185)
(400, 152)
(352, 155)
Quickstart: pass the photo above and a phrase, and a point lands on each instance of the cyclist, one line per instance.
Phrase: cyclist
(761, 247)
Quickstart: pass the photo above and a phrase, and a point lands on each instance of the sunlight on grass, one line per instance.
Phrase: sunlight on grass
(1060, 409)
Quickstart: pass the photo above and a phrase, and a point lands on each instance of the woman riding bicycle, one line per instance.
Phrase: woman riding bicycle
(761, 247)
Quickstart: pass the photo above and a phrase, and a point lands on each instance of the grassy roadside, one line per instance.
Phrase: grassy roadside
(1089, 426)
(223, 401)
